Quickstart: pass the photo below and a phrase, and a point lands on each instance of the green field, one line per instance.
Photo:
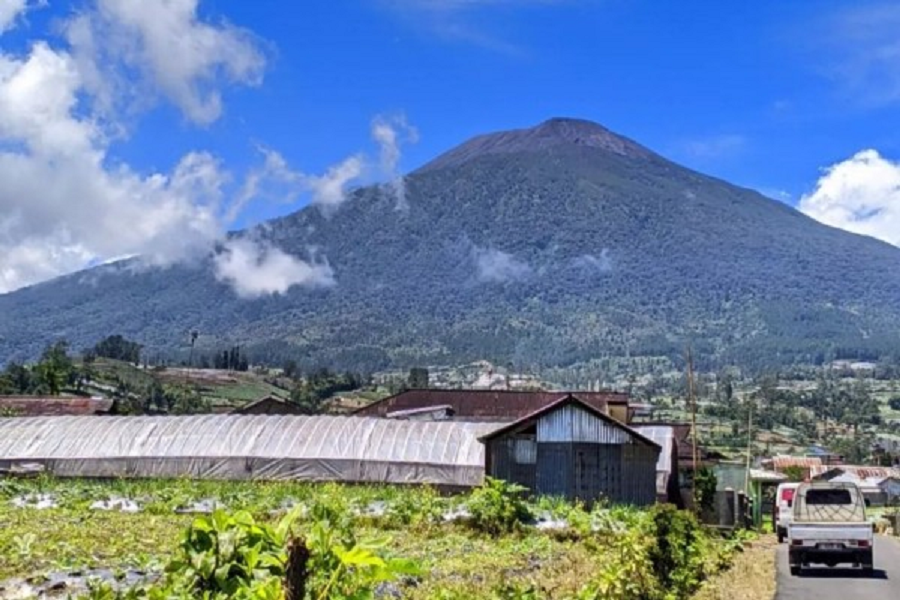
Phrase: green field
(495, 550)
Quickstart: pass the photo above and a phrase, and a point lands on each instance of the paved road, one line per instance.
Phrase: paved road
(843, 584)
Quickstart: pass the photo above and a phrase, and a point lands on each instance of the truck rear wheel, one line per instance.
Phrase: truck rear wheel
(795, 570)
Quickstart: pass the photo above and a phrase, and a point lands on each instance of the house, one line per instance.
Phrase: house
(570, 448)
(269, 405)
(890, 487)
(867, 478)
(801, 465)
(494, 405)
(51, 406)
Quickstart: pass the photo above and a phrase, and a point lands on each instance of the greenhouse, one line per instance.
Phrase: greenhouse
(320, 448)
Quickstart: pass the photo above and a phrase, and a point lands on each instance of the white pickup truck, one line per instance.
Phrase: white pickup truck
(829, 527)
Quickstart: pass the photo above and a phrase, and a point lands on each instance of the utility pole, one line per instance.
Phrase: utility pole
(692, 399)
(187, 374)
(749, 447)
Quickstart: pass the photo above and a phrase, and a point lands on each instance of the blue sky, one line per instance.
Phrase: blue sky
(751, 92)
(766, 95)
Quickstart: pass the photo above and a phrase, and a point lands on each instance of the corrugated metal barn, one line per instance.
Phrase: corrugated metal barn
(572, 450)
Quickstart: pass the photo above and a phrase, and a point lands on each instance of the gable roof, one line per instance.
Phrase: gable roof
(40, 406)
(282, 406)
(486, 404)
(559, 403)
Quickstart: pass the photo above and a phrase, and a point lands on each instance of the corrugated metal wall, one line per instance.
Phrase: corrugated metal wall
(573, 424)
(514, 458)
(578, 456)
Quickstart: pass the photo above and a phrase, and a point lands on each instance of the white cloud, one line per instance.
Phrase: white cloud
(67, 203)
(390, 133)
(9, 12)
(496, 266)
(330, 190)
(860, 194)
(276, 181)
(170, 50)
(595, 264)
(62, 204)
(253, 269)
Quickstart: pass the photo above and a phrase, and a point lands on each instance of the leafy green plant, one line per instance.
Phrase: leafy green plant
(222, 554)
(680, 550)
(705, 484)
(498, 506)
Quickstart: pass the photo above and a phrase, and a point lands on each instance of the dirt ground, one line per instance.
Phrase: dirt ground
(751, 578)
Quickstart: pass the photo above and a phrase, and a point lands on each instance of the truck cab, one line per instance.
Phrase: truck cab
(829, 527)
(783, 508)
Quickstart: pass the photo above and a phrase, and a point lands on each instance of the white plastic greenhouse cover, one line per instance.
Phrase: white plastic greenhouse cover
(321, 448)
(665, 437)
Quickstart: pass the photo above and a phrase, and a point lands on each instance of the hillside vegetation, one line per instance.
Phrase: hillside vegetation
(550, 246)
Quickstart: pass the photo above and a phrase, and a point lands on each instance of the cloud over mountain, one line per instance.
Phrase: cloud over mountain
(860, 194)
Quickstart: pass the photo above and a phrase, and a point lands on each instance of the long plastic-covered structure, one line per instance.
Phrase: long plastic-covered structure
(320, 448)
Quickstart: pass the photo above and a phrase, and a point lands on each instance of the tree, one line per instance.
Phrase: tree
(116, 347)
(55, 368)
(290, 368)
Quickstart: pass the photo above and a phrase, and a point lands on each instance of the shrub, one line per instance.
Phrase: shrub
(226, 555)
(498, 507)
(680, 549)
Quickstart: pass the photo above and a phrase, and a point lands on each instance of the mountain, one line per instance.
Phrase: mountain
(550, 245)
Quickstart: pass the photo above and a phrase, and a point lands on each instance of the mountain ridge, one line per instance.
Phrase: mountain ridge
(554, 132)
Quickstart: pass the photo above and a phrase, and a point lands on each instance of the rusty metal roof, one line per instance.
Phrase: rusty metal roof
(40, 406)
(779, 463)
(488, 405)
(861, 473)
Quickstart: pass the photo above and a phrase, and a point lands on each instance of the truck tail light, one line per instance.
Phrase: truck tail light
(796, 542)
(863, 543)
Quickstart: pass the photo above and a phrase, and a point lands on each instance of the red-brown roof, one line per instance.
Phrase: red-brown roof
(37, 406)
(486, 404)
(780, 463)
(559, 403)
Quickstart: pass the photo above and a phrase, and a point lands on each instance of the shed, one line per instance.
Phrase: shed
(867, 478)
(890, 486)
(269, 405)
(571, 449)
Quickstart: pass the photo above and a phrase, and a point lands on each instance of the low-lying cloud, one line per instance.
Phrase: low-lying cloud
(390, 133)
(255, 268)
(861, 195)
(593, 263)
(495, 266)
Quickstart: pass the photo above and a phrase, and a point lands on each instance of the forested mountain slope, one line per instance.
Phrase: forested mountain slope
(549, 245)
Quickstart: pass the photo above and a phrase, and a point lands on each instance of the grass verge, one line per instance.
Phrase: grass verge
(751, 577)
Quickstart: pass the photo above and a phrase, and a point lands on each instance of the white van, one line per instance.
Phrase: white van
(784, 504)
